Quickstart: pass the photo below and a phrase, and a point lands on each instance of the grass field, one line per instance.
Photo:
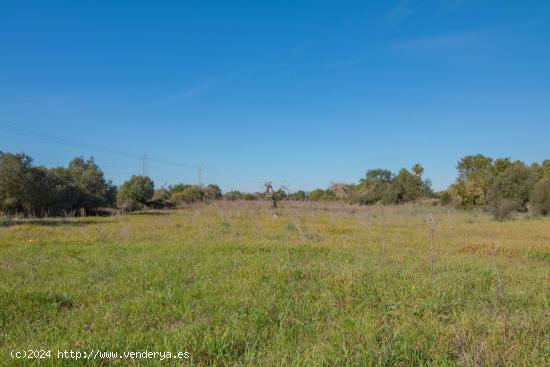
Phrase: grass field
(304, 285)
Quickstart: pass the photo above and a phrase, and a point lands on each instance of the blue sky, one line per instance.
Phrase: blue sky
(298, 92)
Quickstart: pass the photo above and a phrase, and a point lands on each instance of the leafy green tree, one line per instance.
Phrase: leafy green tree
(501, 164)
(540, 196)
(92, 190)
(510, 191)
(315, 195)
(212, 192)
(475, 174)
(327, 196)
(280, 194)
(233, 195)
(136, 192)
(298, 196)
(409, 187)
(371, 189)
(19, 188)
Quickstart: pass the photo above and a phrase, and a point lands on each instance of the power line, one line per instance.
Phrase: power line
(27, 133)
(143, 164)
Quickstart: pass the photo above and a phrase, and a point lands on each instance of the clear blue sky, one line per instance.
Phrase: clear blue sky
(299, 92)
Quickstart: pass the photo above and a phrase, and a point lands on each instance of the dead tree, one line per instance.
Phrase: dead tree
(275, 196)
(270, 193)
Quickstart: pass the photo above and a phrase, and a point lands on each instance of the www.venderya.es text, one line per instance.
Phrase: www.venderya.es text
(93, 354)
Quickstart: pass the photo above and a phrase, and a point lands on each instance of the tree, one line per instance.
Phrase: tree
(190, 194)
(418, 170)
(475, 173)
(212, 192)
(161, 198)
(136, 192)
(315, 195)
(407, 187)
(298, 196)
(233, 195)
(178, 188)
(371, 189)
(92, 190)
(510, 191)
(270, 193)
(540, 196)
(18, 186)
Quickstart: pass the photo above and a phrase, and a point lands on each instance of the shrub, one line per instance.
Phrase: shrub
(540, 197)
(212, 192)
(248, 196)
(315, 195)
(190, 194)
(445, 198)
(135, 192)
(233, 195)
(161, 199)
(298, 196)
(510, 191)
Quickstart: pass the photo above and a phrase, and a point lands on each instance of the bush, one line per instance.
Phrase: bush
(212, 192)
(161, 199)
(510, 191)
(297, 196)
(190, 194)
(233, 195)
(135, 192)
(540, 197)
(249, 197)
(445, 198)
(504, 209)
(315, 195)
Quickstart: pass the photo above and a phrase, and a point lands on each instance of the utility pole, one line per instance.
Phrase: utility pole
(199, 172)
(143, 164)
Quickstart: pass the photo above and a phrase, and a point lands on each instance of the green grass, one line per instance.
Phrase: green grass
(304, 285)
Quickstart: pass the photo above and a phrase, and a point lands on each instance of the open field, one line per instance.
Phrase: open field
(242, 284)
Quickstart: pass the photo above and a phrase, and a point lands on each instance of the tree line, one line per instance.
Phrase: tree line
(501, 186)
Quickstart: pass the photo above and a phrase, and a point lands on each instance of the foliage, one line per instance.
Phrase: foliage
(17, 183)
(233, 195)
(298, 196)
(191, 194)
(160, 199)
(26, 188)
(212, 192)
(540, 197)
(445, 198)
(475, 173)
(136, 192)
(510, 191)
(249, 197)
(417, 169)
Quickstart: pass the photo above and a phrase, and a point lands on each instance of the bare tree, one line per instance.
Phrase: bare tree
(275, 196)
(270, 193)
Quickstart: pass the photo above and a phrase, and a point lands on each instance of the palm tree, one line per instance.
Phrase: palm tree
(418, 170)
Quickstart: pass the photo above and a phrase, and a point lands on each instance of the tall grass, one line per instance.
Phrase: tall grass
(304, 285)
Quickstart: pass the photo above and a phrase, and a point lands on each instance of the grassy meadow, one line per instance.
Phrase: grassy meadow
(240, 284)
